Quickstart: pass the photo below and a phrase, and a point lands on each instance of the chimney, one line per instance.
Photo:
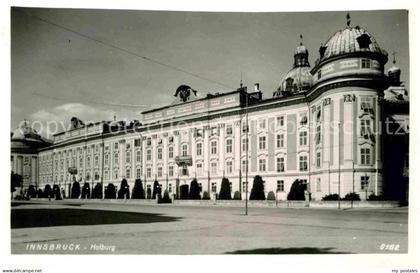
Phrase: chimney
(256, 87)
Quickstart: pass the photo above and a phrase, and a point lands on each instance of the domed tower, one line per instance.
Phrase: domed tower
(345, 113)
(299, 78)
(25, 142)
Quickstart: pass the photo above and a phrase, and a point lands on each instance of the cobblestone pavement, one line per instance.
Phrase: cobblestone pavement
(168, 229)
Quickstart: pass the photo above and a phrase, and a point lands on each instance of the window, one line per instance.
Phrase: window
(365, 128)
(280, 185)
(116, 158)
(280, 164)
(184, 170)
(87, 176)
(96, 161)
(364, 183)
(138, 173)
(280, 141)
(171, 152)
(318, 184)
(245, 128)
(106, 175)
(80, 163)
(127, 157)
(280, 121)
(87, 161)
(199, 169)
(115, 146)
(170, 188)
(171, 139)
(366, 104)
(365, 63)
(318, 159)
(128, 173)
(116, 174)
(159, 172)
(365, 156)
(213, 147)
(229, 167)
(261, 142)
(244, 165)
(261, 165)
(171, 171)
(137, 142)
(148, 155)
(149, 172)
(149, 141)
(213, 187)
(184, 150)
(213, 168)
(303, 163)
(159, 153)
(229, 130)
(96, 148)
(244, 144)
(262, 124)
(106, 157)
(199, 149)
(303, 138)
(138, 156)
(244, 186)
(229, 146)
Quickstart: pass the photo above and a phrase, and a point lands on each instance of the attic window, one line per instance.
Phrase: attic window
(289, 84)
(322, 51)
(364, 41)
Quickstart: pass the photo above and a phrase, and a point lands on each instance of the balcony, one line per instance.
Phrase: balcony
(183, 160)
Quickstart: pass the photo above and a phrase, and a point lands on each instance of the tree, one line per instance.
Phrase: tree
(194, 190)
(183, 192)
(271, 196)
(97, 191)
(330, 197)
(257, 192)
(31, 191)
(165, 198)
(138, 191)
(56, 192)
(110, 191)
(75, 190)
(237, 195)
(86, 191)
(16, 181)
(225, 193)
(124, 192)
(352, 196)
(206, 195)
(47, 191)
(39, 193)
(297, 190)
(156, 189)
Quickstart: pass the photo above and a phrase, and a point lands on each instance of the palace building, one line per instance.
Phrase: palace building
(326, 125)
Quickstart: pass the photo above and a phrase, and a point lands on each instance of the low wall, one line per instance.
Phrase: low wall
(239, 203)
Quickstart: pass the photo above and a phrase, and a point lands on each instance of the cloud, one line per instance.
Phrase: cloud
(50, 121)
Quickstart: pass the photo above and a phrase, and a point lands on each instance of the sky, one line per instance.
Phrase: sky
(94, 64)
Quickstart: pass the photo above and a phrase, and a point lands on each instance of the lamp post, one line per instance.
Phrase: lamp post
(246, 155)
(339, 168)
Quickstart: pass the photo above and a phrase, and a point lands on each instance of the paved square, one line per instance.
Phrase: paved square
(104, 228)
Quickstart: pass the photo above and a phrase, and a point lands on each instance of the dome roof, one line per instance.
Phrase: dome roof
(24, 138)
(350, 40)
(297, 79)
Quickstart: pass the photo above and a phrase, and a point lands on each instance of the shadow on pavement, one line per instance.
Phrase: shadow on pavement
(28, 218)
(292, 250)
